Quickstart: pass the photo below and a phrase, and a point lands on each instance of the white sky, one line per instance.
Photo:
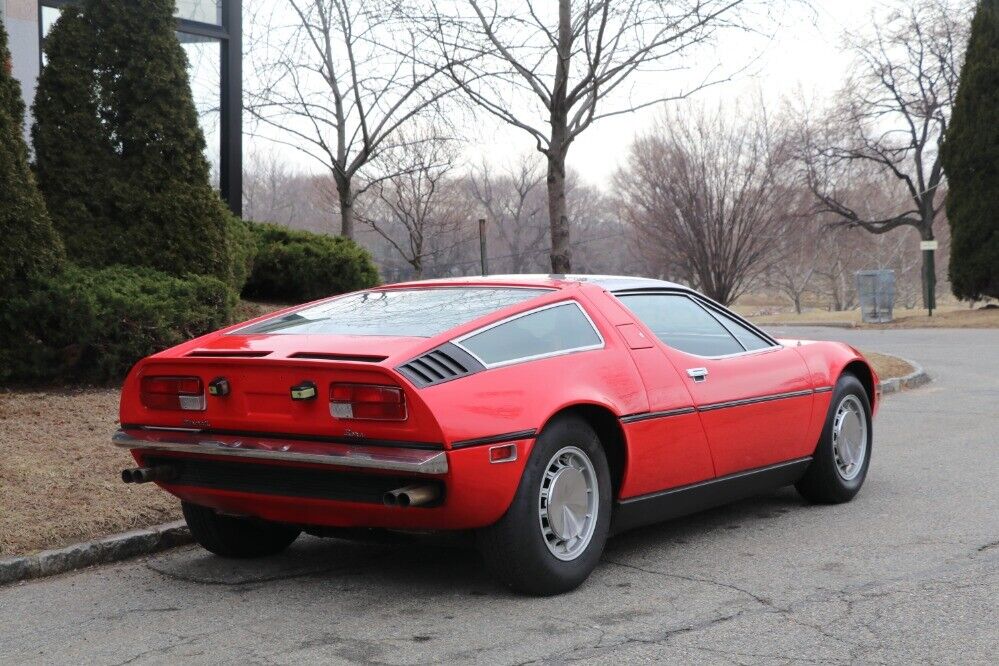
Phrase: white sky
(804, 60)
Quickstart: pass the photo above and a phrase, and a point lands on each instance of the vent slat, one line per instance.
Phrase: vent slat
(442, 368)
(416, 371)
(455, 367)
(439, 365)
(426, 367)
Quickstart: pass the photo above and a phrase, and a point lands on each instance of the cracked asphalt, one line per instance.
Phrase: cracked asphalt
(907, 572)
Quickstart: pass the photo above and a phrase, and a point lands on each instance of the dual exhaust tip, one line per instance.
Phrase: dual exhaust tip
(415, 495)
(147, 474)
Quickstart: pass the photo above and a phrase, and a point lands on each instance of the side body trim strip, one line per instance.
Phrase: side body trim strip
(495, 439)
(631, 418)
(676, 502)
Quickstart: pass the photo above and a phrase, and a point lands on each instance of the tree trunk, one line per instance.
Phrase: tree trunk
(558, 217)
(346, 196)
(797, 303)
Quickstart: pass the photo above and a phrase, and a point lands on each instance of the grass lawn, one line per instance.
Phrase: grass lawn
(59, 473)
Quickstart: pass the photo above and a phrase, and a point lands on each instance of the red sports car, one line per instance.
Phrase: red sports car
(543, 412)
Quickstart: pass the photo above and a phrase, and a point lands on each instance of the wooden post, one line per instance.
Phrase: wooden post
(484, 256)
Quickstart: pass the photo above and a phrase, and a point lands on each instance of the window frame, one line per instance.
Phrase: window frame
(714, 310)
(533, 357)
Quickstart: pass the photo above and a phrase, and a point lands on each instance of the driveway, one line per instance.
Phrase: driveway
(908, 571)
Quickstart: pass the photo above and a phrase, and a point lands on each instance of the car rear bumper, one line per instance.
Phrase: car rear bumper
(327, 484)
(389, 459)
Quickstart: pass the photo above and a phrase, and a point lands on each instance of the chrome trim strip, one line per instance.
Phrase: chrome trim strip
(752, 401)
(633, 418)
(824, 389)
(415, 461)
(561, 352)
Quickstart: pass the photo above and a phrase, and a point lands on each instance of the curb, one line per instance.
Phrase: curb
(99, 551)
(917, 377)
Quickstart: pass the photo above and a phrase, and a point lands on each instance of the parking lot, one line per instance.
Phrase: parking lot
(908, 571)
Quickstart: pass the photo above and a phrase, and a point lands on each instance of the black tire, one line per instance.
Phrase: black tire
(515, 549)
(823, 483)
(241, 538)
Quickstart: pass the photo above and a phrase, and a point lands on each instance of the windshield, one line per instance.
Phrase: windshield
(408, 313)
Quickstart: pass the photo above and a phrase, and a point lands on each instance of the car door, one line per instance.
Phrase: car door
(753, 396)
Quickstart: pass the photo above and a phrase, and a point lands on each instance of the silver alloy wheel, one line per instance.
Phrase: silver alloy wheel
(568, 503)
(849, 437)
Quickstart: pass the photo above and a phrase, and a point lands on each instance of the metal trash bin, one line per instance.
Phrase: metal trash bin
(876, 292)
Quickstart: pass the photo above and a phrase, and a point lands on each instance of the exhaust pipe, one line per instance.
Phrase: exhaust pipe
(147, 474)
(415, 495)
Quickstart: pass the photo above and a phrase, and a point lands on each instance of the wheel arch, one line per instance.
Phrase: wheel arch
(605, 423)
(862, 371)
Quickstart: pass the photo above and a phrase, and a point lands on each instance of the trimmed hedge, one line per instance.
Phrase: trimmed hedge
(91, 325)
(294, 266)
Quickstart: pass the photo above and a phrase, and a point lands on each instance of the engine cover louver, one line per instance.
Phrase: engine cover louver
(440, 365)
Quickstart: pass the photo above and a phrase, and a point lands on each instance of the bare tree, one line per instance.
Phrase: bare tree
(706, 192)
(514, 205)
(274, 192)
(553, 68)
(416, 210)
(337, 80)
(894, 114)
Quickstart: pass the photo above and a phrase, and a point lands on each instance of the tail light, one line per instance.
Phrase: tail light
(183, 393)
(367, 402)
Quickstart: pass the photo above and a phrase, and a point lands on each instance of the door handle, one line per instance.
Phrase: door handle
(697, 374)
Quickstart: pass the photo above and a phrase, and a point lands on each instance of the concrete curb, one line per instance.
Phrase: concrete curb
(99, 551)
(917, 377)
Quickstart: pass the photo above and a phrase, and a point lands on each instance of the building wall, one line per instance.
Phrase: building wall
(21, 19)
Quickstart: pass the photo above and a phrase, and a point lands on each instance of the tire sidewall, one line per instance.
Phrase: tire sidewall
(847, 385)
(520, 526)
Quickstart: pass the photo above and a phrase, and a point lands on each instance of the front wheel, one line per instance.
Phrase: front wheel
(843, 454)
(554, 532)
(236, 537)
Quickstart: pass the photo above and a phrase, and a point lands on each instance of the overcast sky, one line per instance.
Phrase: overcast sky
(804, 59)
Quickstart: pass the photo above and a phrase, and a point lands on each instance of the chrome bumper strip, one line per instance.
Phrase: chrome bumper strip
(416, 461)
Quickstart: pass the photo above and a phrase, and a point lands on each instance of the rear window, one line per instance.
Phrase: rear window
(407, 313)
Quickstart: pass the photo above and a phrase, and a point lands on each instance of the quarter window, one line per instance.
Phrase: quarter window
(546, 332)
(682, 324)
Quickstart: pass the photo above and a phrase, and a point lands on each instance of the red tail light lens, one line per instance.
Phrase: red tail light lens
(181, 393)
(367, 402)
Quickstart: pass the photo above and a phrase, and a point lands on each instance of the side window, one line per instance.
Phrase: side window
(750, 340)
(682, 324)
(557, 329)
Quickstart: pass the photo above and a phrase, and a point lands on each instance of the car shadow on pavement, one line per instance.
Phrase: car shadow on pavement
(443, 561)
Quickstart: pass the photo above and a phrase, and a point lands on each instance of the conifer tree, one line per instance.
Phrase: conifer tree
(73, 154)
(30, 248)
(971, 160)
(125, 100)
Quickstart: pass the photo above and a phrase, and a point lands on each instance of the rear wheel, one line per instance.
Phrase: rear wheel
(554, 532)
(236, 537)
(843, 454)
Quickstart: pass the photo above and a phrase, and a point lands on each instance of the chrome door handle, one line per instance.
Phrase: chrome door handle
(697, 374)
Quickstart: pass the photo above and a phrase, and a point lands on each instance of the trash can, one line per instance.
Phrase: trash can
(876, 293)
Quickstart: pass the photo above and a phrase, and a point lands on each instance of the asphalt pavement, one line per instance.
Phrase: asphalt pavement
(907, 572)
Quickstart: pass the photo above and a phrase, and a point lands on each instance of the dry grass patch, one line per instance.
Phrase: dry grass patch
(60, 476)
(947, 317)
(887, 366)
